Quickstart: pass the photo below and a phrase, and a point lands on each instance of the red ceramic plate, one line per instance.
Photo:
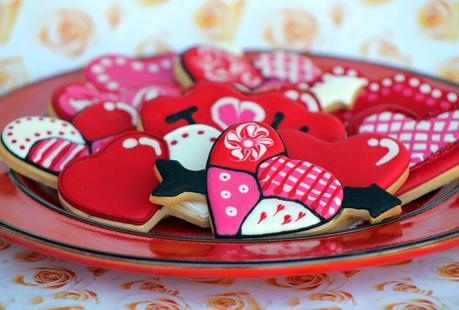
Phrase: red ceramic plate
(31, 215)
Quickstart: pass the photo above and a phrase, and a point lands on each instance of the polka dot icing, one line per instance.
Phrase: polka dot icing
(21, 134)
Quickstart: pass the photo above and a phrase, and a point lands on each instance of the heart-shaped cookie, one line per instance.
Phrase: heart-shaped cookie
(215, 65)
(220, 105)
(72, 98)
(289, 67)
(432, 145)
(422, 96)
(253, 189)
(112, 186)
(357, 161)
(40, 147)
(298, 93)
(116, 73)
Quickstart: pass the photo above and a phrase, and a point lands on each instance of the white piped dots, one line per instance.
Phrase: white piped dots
(352, 72)
(120, 61)
(137, 66)
(399, 78)
(112, 85)
(244, 188)
(153, 68)
(129, 143)
(97, 69)
(102, 78)
(107, 62)
(166, 64)
(436, 93)
(292, 94)
(425, 88)
(452, 97)
(303, 86)
(373, 142)
(231, 211)
(225, 194)
(109, 106)
(338, 70)
(386, 82)
(374, 87)
(224, 176)
(414, 82)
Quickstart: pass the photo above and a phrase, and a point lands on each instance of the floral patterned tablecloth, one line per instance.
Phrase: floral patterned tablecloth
(32, 280)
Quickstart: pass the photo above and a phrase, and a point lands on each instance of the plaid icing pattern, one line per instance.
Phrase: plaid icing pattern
(300, 180)
(291, 67)
(421, 138)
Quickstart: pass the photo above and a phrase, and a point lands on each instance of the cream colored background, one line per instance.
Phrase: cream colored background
(41, 38)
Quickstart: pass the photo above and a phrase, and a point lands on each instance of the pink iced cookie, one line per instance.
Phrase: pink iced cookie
(216, 65)
(117, 73)
(236, 193)
(70, 99)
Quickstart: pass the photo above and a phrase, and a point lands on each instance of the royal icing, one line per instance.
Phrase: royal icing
(190, 145)
(20, 135)
(357, 161)
(422, 138)
(408, 90)
(117, 73)
(289, 67)
(70, 99)
(220, 105)
(258, 191)
(218, 65)
(114, 183)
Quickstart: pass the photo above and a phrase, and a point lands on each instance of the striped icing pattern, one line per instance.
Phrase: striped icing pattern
(421, 138)
(54, 153)
(302, 181)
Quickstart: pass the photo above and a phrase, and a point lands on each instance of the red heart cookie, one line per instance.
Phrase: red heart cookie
(357, 161)
(117, 73)
(289, 67)
(70, 99)
(431, 142)
(221, 105)
(215, 65)
(422, 96)
(113, 185)
(297, 93)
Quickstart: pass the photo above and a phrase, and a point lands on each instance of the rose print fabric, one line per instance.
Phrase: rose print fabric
(32, 280)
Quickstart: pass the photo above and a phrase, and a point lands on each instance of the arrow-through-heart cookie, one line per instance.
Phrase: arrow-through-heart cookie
(253, 189)
(431, 142)
(215, 65)
(221, 105)
(40, 147)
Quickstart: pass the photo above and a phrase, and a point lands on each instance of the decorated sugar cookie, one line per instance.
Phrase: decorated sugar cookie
(297, 92)
(338, 89)
(112, 186)
(190, 145)
(220, 106)
(422, 96)
(70, 99)
(40, 147)
(253, 189)
(215, 65)
(292, 68)
(431, 142)
(357, 161)
(115, 73)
